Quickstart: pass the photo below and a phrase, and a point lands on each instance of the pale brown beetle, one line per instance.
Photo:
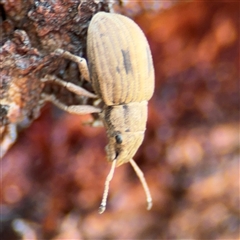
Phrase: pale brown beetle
(122, 75)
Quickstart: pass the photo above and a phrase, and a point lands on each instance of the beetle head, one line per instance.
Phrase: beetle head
(123, 146)
(125, 125)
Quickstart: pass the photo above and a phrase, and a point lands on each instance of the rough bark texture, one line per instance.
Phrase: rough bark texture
(52, 178)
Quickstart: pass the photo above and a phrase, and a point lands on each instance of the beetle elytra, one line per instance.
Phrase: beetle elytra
(120, 69)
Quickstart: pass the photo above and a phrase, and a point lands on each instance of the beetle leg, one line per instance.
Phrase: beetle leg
(75, 109)
(9, 134)
(94, 123)
(82, 63)
(97, 120)
(69, 86)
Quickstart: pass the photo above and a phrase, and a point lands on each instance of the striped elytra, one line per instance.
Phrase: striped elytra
(119, 60)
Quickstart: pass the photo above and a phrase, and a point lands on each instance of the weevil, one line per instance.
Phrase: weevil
(121, 72)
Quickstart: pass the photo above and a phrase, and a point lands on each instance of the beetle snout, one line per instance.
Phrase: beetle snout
(124, 150)
(111, 153)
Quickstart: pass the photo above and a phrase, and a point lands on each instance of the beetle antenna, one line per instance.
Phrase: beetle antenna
(141, 177)
(106, 189)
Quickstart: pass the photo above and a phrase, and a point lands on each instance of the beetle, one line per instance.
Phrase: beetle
(120, 69)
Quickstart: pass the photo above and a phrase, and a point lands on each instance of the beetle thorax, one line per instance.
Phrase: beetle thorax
(125, 126)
